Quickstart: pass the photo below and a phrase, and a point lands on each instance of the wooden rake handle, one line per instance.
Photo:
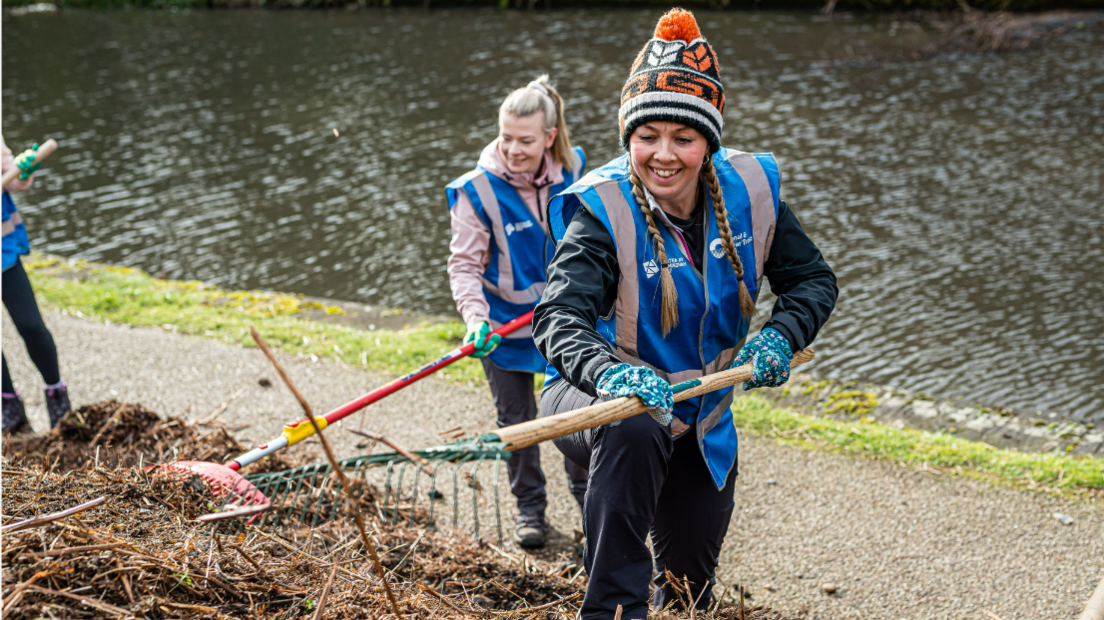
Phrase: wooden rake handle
(542, 429)
(44, 150)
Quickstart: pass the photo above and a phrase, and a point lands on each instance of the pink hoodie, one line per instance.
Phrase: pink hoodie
(471, 239)
(6, 163)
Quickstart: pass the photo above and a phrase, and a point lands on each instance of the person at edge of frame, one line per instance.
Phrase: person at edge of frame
(660, 255)
(20, 301)
(499, 250)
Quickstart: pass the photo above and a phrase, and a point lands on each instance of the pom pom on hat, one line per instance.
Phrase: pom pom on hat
(675, 78)
(677, 25)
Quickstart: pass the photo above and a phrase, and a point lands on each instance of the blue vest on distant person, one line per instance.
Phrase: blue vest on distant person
(711, 328)
(520, 250)
(16, 242)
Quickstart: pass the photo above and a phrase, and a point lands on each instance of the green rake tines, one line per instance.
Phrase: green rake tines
(310, 495)
(312, 491)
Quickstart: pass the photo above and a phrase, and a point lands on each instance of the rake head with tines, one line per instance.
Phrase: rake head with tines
(228, 487)
(225, 479)
(309, 494)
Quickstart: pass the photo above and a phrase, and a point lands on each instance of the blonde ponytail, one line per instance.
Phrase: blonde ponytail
(747, 304)
(540, 96)
(668, 316)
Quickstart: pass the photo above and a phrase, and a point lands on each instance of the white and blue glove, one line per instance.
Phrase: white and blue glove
(770, 355)
(624, 380)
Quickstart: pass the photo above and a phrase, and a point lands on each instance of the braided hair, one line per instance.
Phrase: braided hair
(747, 304)
(668, 316)
(669, 311)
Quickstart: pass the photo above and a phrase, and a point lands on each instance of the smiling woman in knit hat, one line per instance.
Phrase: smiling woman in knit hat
(500, 247)
(660, 255)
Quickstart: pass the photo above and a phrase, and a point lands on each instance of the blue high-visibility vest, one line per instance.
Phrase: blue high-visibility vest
(15, 238)
(520, 250)
(711, 328)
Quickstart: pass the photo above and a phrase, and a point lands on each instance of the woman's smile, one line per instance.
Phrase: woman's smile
(664, 175)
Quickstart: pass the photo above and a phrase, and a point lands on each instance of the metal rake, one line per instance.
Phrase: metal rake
(232, 488)
(311, 495)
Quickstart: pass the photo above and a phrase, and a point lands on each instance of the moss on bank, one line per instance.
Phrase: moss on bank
(129, 296)
(915, 448)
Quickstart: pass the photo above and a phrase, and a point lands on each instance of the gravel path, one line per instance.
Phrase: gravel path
(897, 543)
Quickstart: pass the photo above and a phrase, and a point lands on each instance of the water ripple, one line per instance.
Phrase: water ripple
(958, 199)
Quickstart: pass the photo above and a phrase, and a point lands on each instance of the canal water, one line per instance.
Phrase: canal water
(960, 199)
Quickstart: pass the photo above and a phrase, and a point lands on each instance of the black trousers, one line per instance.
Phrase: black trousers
(642, 481)
(20, 301)
(515, 403)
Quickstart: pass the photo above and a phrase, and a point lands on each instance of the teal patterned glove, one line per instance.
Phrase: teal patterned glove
(26, 162)
(770, 355)
(625, 380)
(485, 341)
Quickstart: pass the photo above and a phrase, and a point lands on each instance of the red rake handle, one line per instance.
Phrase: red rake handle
(426, 370)
(301, 429)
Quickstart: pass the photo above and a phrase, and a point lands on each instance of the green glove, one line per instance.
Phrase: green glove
(485, 341)
(26, 162)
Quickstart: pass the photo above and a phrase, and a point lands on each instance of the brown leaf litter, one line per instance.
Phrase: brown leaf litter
(142, 553)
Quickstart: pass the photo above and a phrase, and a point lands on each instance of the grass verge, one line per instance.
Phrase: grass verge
(129, 296)
(915, 448)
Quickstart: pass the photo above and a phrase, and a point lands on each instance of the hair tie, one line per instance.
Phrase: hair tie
(538, 86)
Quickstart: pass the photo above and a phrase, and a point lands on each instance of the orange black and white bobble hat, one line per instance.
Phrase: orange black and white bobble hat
(674, 78)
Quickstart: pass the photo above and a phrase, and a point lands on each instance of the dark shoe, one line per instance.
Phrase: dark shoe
(530, 530)
(15, 416)
(57, 403)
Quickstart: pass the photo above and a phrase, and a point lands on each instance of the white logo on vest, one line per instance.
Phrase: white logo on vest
(651, 267)
(520, 226)
(717, 249)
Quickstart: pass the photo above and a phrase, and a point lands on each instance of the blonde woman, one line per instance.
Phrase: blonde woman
(660, 255)
(499, 250)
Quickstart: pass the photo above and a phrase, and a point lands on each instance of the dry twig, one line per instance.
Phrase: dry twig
(334, 465)
(37, 521)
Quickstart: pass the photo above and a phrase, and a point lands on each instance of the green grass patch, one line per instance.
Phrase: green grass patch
(914, 447)
(130, 296)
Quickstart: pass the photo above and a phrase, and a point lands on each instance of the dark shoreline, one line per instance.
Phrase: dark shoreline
(839, 9)
(929, 29)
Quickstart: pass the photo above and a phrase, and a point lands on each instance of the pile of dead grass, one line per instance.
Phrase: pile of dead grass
(143, 553)
(126, 435)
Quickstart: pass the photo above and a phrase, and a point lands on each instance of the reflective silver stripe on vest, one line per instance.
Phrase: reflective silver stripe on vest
(762, 206)
(9, 225)
(711, 420)
(628, 289)
(723, 359)
(719, 363)
(715, 416)
(522, 332)
(505, 288)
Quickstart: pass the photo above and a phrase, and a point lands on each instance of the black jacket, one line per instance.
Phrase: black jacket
(582, 285)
